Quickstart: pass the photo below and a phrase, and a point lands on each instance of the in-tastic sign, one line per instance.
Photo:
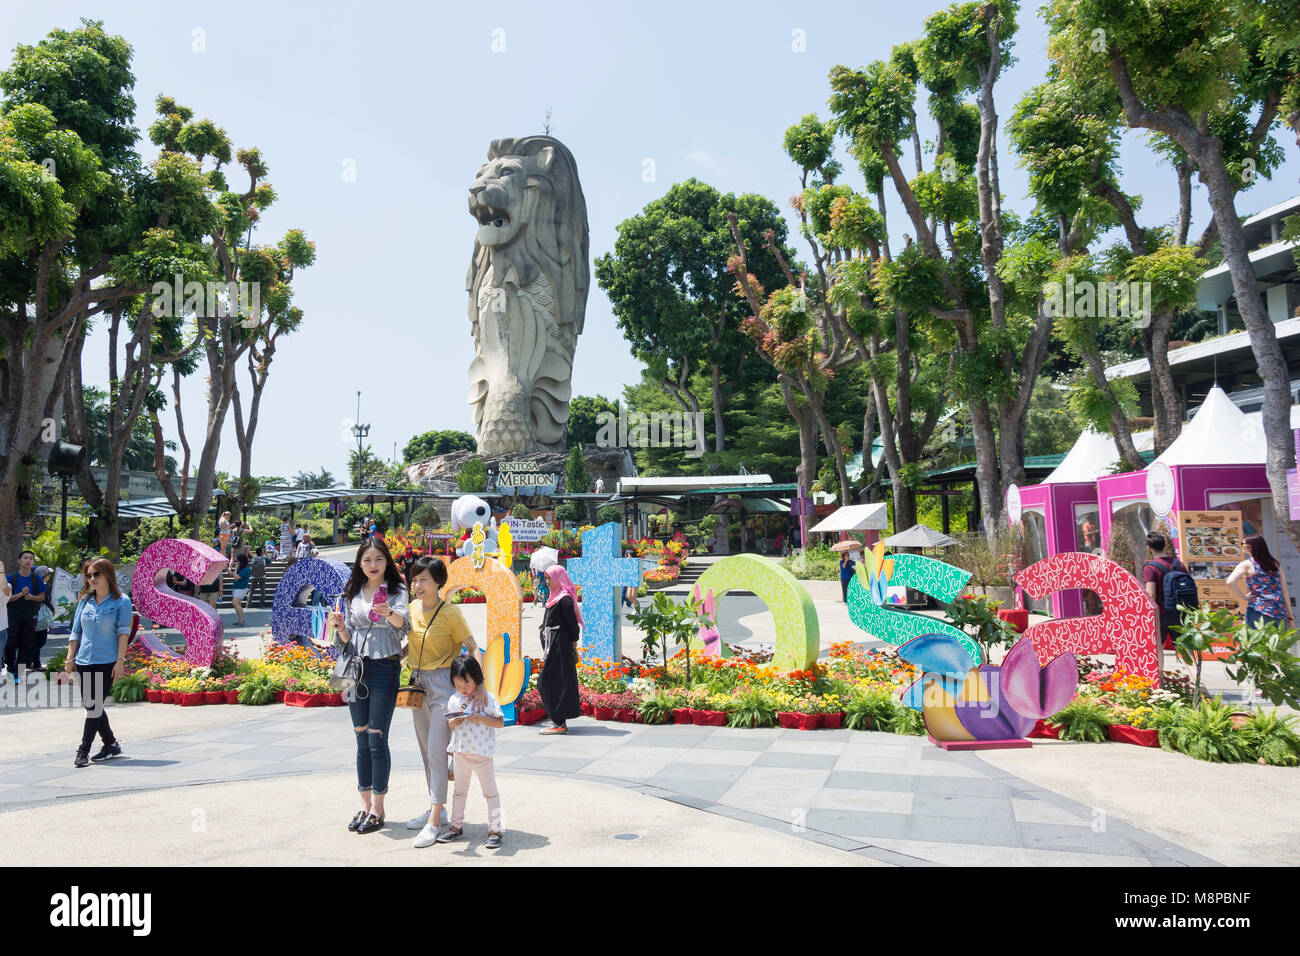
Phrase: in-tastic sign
(527, 529)
(525, 477)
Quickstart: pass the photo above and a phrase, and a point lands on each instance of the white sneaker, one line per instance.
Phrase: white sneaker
(428, 837)
(419, 822)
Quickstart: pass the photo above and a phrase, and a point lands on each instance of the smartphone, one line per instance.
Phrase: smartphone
(380, 596)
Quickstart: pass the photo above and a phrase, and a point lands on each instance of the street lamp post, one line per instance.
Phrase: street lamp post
(361, 431)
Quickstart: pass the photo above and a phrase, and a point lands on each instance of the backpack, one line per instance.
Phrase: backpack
(1179, 588)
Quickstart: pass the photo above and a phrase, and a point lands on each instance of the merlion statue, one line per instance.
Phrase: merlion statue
(527, 287)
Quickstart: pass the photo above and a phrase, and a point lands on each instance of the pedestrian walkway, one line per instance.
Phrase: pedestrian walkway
(885, 798)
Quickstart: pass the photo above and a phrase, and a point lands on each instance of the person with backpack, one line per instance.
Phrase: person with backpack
(1168, 584)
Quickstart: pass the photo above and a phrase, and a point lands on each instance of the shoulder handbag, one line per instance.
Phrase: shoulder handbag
(44, 618)
(412, 695)
(349, 671)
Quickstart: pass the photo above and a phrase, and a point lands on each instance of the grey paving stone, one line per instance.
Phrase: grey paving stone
(893, 857)
(518, 748)
(857, 823)
(674, 739)
(37, 773)
(848, 780)
(269, 753)
(966, 786)
(1080, 839)
(977, 808)
(734, 743)
(962, 830)
(709, 791)
(796, 761)
(714, 773)
(552, 764)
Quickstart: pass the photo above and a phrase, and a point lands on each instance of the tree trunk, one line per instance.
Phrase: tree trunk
(1166, 403)
(1276, 411)
(803, 418)
(1118, 421)
(986, 465)
(719, 426)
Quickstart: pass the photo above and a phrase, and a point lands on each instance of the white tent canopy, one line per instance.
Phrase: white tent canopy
(919, 536)
(874, 517)
(1094, 455)
(1219, 433)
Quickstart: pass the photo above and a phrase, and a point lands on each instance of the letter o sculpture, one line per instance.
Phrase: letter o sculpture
(504, 668)
(798, 634)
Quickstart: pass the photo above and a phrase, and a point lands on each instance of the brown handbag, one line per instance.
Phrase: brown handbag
(412, 695)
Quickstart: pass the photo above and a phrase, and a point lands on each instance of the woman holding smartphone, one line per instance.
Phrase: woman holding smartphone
(373, 620)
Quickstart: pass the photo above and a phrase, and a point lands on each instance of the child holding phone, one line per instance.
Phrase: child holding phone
(473, 745)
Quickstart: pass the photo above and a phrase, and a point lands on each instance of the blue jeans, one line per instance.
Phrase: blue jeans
(1252, 616)
(374, 714)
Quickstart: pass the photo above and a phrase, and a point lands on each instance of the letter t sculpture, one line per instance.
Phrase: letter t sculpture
(602, 574)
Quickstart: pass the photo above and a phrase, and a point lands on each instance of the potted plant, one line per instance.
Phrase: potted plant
(713, 713)
(978, 616)
(832, 715)
(663, 618)
(230, 687)
(870, 709)
(129, 688)
(214, 691)
(1135, 726)
(603, 706)
(1084, 719)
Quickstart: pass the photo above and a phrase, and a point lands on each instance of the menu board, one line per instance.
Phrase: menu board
(1210, 536)
(1216, 596)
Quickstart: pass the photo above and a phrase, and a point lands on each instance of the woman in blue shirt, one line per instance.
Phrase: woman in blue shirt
(100, 629)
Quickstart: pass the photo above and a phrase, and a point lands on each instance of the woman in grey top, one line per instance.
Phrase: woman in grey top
(373, 620)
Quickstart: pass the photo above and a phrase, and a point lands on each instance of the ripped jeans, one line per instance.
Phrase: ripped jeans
(374, 714)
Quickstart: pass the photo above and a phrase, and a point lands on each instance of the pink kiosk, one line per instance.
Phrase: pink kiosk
(1060, 514)
(1215, 464)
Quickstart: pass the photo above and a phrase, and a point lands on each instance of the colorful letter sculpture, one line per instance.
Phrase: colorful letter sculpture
(798, 634)
(290, 619)
(602, 574)
(708, 634)
(197, 621)
(941, 581)
(504, 667)
(1126, 627)
(961, 701)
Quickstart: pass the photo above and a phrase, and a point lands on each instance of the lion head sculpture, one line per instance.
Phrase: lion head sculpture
(527, 285)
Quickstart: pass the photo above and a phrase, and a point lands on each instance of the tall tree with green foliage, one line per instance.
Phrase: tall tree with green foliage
(672, 296)
(431, 444)
(576, 479)
(1211, 78)
(84, 227)
(584, 410)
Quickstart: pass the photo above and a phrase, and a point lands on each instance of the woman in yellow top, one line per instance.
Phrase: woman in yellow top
(438, 631)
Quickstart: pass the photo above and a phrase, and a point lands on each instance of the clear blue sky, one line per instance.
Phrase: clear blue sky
(413, 93)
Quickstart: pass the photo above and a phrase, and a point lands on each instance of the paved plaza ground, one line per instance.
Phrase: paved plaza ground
(233, 785)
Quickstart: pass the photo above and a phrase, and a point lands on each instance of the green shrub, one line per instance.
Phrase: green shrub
(1082, 719)
(608, 513)
(129, 688)
(907, 721)
(257, 689)
(657, 709)
(521, 511)
(751, 708)
(1207, 733)
(1272, 740)
(870, 710)
(57, 662)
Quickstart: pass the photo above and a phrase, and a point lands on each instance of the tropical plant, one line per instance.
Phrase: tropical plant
(977, 616)
(1206, 732)
(1272, 739)
(658, 708)
(872, 709)
(751, 707)
(907, 721)
(1261, 658)
(1197, 631)
(663, 618)
(258, 689)
(129, 688)
(1083, 718)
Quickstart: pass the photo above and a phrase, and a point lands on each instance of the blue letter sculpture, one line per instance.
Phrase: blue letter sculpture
(290, 620)
(602, 573)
